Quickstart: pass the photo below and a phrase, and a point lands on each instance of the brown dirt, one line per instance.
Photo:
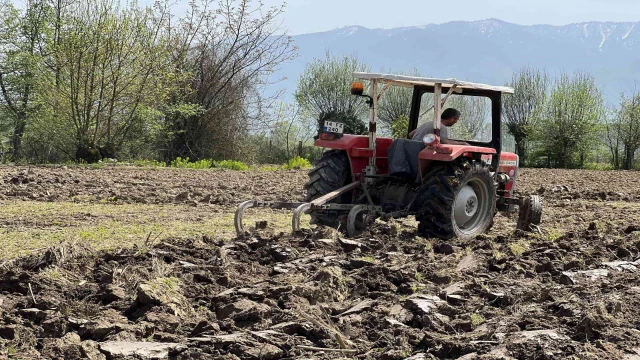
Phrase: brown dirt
(568, 291)
(136, 185)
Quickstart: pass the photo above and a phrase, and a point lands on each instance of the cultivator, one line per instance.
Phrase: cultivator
(454, 188)
(320, 204)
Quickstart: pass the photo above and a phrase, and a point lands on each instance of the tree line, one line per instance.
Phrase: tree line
(560, 122)
(90, 79)
(84, 80)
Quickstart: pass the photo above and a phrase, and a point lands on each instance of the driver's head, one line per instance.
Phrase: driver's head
(450, 117)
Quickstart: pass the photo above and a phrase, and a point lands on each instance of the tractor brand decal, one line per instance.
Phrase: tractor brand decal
(508, 163)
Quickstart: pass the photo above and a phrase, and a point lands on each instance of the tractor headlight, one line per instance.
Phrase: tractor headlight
(429, 139)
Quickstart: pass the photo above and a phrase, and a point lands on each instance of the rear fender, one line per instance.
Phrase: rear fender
(448, 153)
(357, 148)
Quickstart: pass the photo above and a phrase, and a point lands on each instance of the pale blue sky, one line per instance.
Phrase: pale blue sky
(304, 16)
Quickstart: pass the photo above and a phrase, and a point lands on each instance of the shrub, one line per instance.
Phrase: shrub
(231, 165)
(184, 163)
(597, 166)
(297, 163)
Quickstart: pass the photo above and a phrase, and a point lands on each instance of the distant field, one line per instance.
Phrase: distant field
(118, 206)
(389, 294)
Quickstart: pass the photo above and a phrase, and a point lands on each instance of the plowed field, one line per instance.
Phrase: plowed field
(127, 263)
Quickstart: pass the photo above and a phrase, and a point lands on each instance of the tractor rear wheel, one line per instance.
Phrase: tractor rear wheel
(332, 172)
(456, 202)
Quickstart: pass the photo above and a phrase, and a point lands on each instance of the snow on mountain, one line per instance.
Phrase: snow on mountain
(484, 51)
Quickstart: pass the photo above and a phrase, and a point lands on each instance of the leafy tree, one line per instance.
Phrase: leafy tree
(522, 110)
(352, 124)
(399, 126)
(21, 38)
(572, 120)
(395, 105)
(623, 132)
(324, 91)
(108, 67)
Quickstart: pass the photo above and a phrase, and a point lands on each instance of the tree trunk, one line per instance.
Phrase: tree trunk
(628, 158)
(16, 138)
(521, 151)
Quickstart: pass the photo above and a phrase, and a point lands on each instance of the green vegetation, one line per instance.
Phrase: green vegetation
(477, 320)
(31, 225)
(231, 165)
(297, 163)
(93, 80)
(518, 248)
(324, 92)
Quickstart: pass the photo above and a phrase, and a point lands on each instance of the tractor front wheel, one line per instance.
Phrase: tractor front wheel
(456, 202)
(332, 172)
(530, 213)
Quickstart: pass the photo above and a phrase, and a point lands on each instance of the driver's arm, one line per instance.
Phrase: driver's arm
(412, 133)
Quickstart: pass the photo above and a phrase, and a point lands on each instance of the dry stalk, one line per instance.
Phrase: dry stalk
(31, 292)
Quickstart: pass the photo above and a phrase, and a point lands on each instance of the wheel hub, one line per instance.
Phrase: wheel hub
(465, 206)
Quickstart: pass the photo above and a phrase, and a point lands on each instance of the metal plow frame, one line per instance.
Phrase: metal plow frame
(307, 207)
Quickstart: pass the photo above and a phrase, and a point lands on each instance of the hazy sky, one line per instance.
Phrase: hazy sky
(304, 16)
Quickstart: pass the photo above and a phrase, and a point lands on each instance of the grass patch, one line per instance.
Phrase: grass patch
(232, 165)
(598, 166)
(186, 164)
(518, 248)
(30, 225)
(268, 168)
(477, 320)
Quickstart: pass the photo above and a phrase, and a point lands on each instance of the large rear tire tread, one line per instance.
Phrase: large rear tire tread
(437, 195)
(331, 172)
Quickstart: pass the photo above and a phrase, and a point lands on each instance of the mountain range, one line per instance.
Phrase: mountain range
(485, 51)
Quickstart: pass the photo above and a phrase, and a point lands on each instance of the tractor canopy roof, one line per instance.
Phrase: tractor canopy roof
(411, 81)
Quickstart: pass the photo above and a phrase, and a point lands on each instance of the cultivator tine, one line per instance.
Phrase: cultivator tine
(295, 221)
(319, 202)
(237, 219)
(300, 208)
(352, 218)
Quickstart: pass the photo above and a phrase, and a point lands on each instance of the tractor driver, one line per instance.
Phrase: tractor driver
(448, 118)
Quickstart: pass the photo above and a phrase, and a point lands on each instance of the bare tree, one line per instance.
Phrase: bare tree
(521, 110)
(223, 55)
(475, 117)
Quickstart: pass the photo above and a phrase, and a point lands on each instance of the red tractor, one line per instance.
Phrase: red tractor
(455, 190)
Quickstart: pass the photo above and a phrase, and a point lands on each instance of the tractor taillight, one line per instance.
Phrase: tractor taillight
(325, 136)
